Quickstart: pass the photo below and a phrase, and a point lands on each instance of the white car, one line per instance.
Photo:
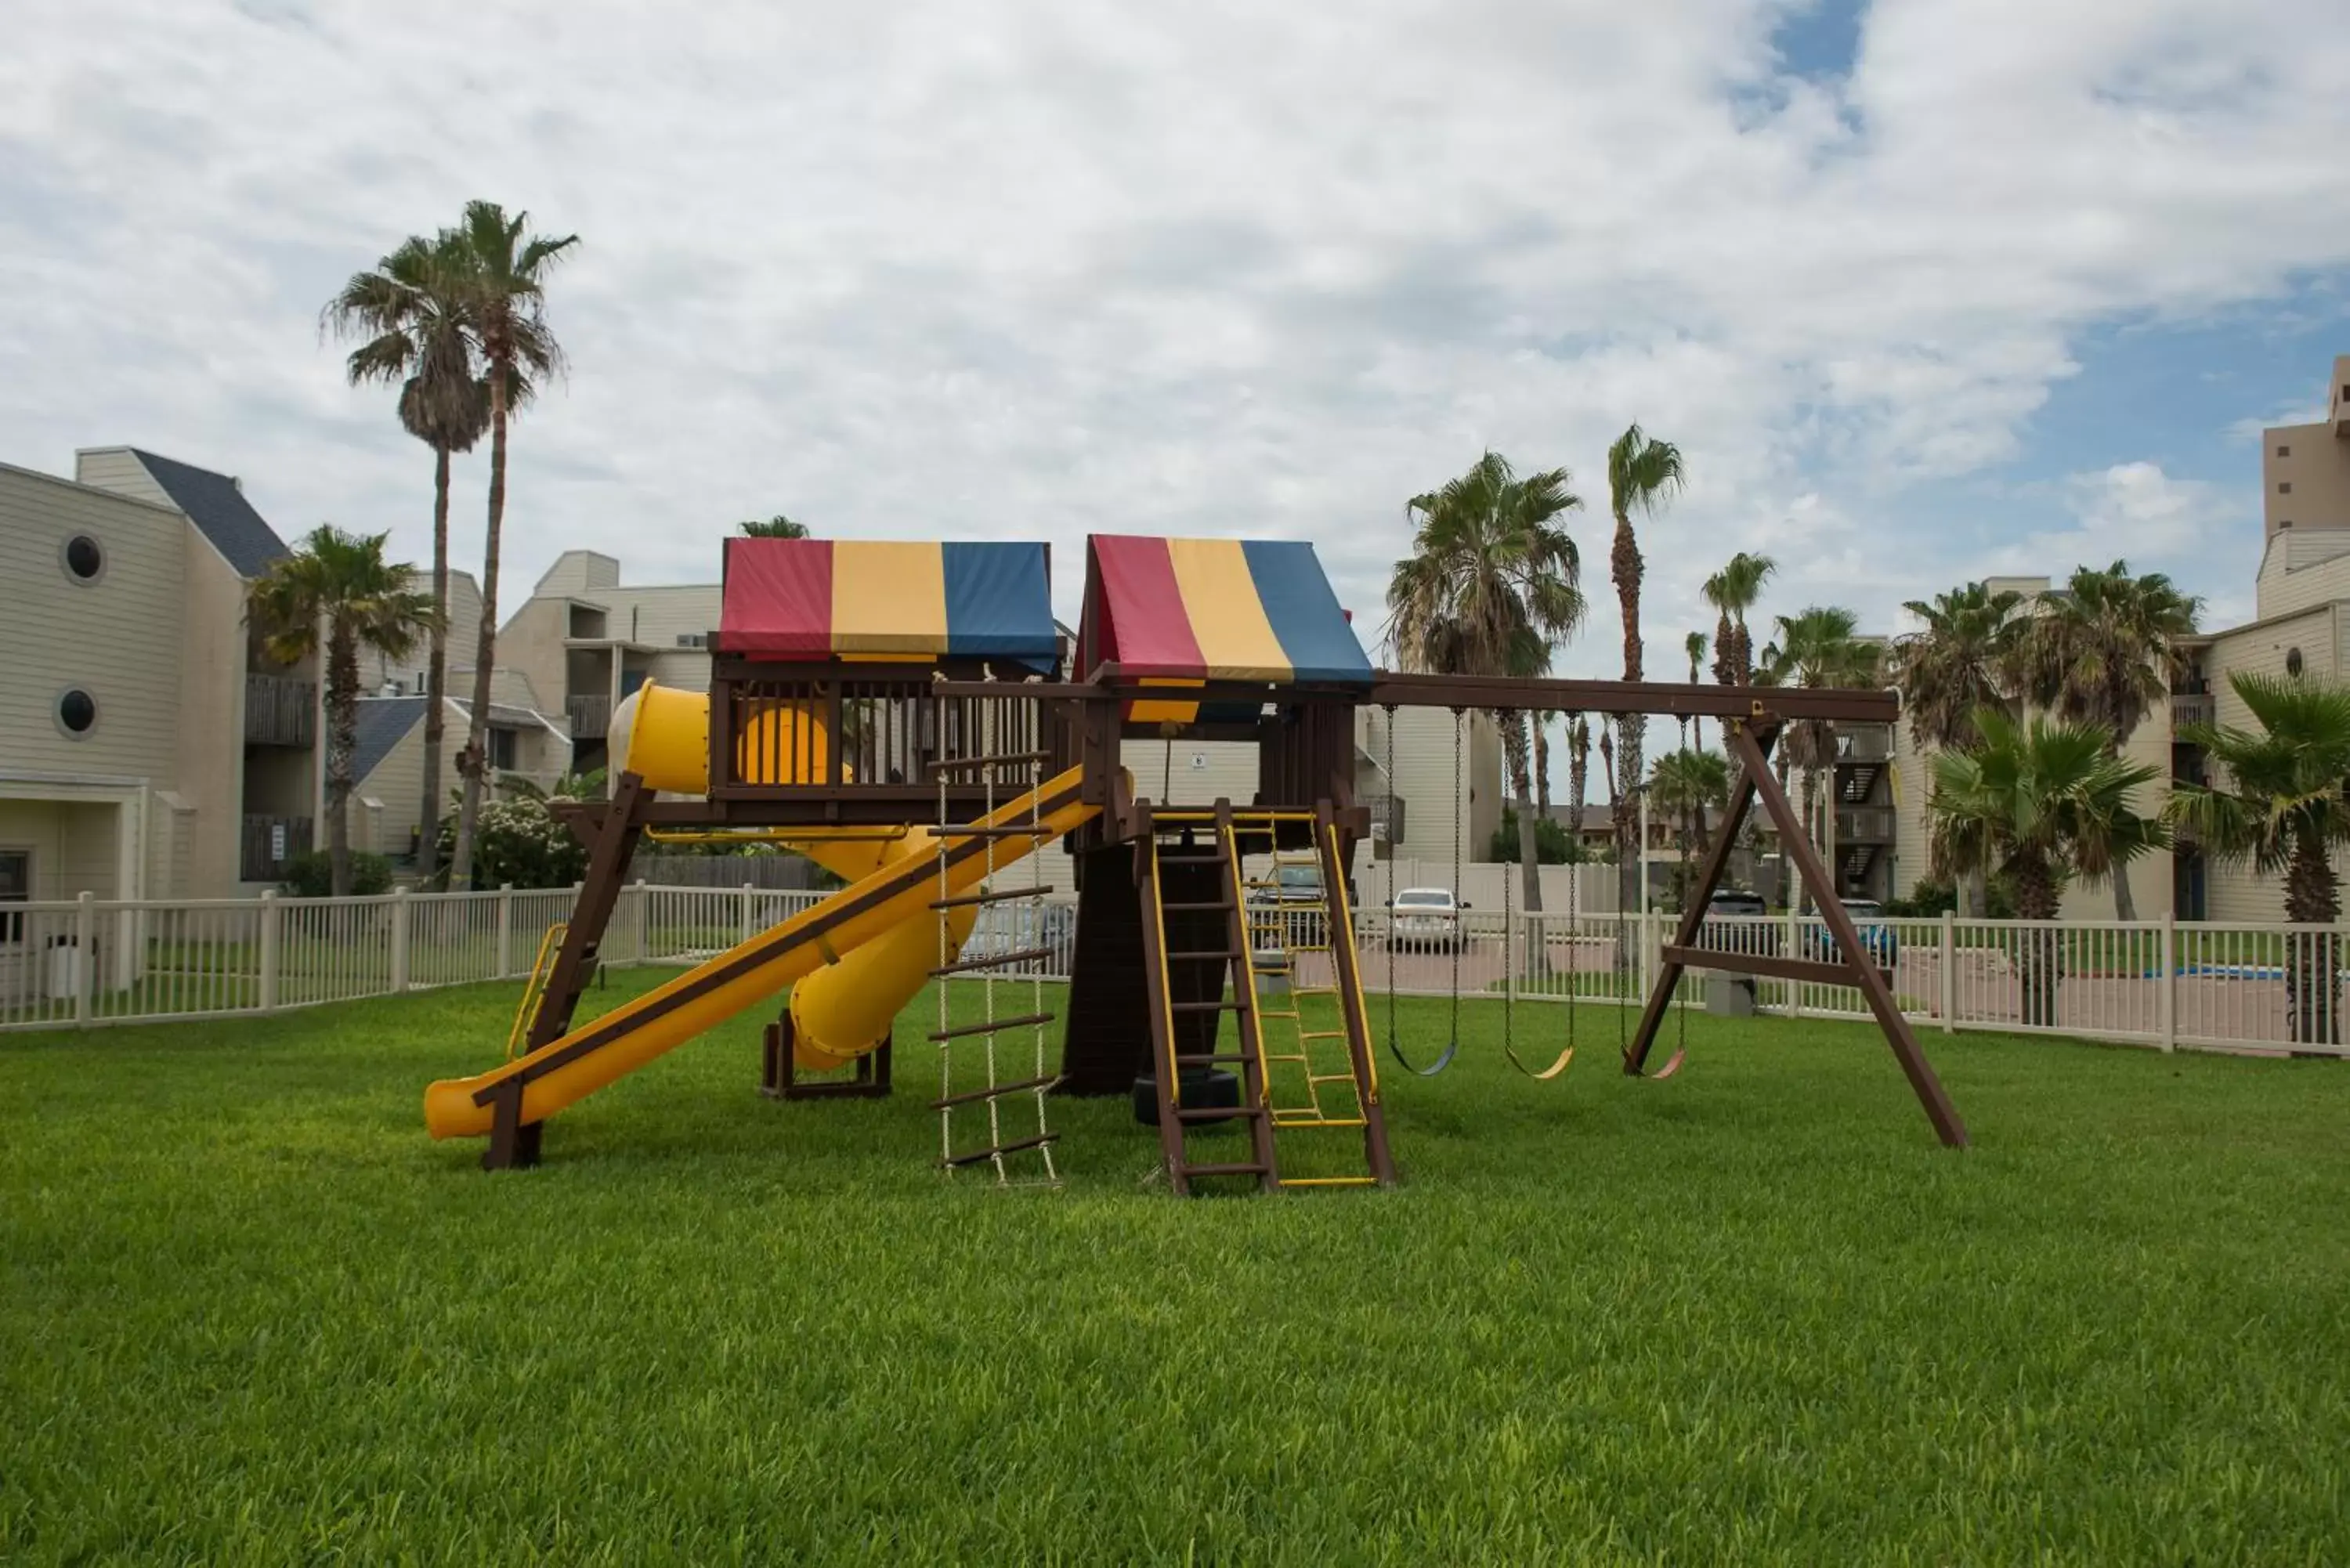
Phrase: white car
(1424, 918)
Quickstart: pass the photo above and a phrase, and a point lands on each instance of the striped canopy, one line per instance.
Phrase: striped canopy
(1217, 609)
(824, 599)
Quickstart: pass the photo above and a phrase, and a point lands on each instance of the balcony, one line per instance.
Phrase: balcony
(279, 711)
(270, 842)
(591, 717)
(2191, 708)
(1866, 824)
(1864, 742)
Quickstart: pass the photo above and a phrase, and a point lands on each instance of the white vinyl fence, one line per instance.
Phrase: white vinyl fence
(2264, 989)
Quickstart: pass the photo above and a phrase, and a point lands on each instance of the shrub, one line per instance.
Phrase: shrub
(311, 875)
(518, 840)
(1552, 845)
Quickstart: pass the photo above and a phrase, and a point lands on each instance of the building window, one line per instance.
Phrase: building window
(693, 640)
(84, 559)
(2284, 487)
(76, 713)
(16, 888)
(2284, 523)
(2293, 665)
(501, 749)
(2285, 452)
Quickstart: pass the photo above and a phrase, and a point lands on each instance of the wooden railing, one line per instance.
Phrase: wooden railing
(269, 843)
(279, 711)
(877, 736)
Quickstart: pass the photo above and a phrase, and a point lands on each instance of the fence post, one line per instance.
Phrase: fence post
(505, 930)
(644, 923)
(84, 933)
(1794, 949)
(272, 923)
(2169, 958)
(748, 930)
(398, 939)
(1949, 977)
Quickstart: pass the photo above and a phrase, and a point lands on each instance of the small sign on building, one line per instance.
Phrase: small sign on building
(1199, 761)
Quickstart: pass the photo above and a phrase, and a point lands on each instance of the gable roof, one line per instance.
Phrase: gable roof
(383, 723)
(1216, 609)
(219, 509)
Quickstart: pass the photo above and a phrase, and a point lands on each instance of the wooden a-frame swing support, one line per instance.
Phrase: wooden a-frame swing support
(1751, 720)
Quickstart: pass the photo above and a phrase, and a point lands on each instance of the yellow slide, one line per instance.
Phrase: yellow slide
(898, 894)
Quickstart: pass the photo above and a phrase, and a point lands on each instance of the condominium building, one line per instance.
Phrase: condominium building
(149, 746)
(2300, 629)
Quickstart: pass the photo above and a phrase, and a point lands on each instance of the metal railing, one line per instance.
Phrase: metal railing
(591, 717)
(2191, 708)
(2272, 990)
(1866, 824)
(279, 711)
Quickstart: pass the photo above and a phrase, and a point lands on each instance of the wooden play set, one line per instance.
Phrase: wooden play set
(910, 716)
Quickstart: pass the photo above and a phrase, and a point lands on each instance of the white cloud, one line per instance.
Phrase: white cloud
(1039, 269)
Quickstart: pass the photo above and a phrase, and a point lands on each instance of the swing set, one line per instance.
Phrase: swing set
(1537, 941)
(1752, 720)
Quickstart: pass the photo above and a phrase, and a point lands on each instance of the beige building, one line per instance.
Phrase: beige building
(529, 740)
(148, 747)
(2300, 629)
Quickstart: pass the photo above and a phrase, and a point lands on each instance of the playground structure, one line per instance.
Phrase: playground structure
(907, 715)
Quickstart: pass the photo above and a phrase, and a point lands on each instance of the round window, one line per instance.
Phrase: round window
(2293, 662)
(77, 711)
(85, 559)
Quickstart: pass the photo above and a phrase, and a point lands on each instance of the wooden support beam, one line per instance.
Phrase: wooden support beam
(613, 846)
(1866, 976)
(1771, 966)
(1716, 861)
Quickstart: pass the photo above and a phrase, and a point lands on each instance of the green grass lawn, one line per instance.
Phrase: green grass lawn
(249, 1313)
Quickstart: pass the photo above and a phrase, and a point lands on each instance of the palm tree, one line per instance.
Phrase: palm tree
(1820, 647)
(410, 311)
(1959, 662)
(1578, 778)
(1490, 586)
(1732, 591)
(2284, 812)
(1642, 475)
(337, 587)
(776, 527)
(1683, 785)
(2102, 650)
(2042, 806)
(1694, 645)
(504, 273)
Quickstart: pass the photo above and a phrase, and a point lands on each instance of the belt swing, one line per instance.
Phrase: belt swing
(1509, 987)
(1395, 1044)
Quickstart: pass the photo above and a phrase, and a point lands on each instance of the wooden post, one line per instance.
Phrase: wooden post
(1701, 894)
(610, 848)
(272, 925)
(1866, 974)
(399, 941)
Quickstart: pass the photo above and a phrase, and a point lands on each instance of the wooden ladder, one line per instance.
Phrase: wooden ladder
(1187, 995)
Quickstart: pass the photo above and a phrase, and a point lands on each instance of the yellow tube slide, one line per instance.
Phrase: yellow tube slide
(635, 1033)
(845, 1010)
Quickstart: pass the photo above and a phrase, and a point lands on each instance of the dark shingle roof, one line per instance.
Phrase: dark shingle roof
(383, 723)
(214, 504)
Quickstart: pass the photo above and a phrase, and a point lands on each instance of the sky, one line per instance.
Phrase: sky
(1923, 289)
